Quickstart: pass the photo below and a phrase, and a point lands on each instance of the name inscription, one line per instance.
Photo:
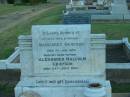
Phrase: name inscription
(63, 48)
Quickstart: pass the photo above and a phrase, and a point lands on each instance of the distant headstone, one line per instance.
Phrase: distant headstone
(77, 18)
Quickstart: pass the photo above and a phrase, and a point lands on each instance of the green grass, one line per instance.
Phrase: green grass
(113, 30)
(8, 39)
(120, 88)
(7, 90)
(9, 8)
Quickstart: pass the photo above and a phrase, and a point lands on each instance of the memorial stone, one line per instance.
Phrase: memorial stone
(62, 61)
(61, 49)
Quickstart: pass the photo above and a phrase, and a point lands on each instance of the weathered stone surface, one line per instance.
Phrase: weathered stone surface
(62, 44)
(61, 48)
(77, 18)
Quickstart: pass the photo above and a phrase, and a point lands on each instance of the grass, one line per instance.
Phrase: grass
(6, 90)
(120, 88)
(8, 39)
(112, 30)
(9, 8)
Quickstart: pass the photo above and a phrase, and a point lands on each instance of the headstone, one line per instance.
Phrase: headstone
(92, 7)
(62, 61)
(61, 48)
(100, 2)
(77, 2)
(77, 18)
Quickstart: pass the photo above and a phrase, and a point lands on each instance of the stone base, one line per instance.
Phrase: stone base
(22, 90)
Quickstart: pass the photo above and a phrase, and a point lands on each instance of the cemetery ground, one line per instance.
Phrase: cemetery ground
(9, 8)
(8, 38)
(15, 17)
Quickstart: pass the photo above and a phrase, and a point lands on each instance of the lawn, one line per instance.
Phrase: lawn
(112, 30)
(9, 8)
(120, 88)
(6, 90)
(8, 39)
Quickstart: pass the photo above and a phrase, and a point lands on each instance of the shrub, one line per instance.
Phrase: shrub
(33, 2)
(44, 1)
(10, 1)
(25, 1)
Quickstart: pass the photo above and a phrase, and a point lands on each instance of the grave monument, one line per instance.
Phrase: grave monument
(99, 9)
(63, 61)
(76, 5)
